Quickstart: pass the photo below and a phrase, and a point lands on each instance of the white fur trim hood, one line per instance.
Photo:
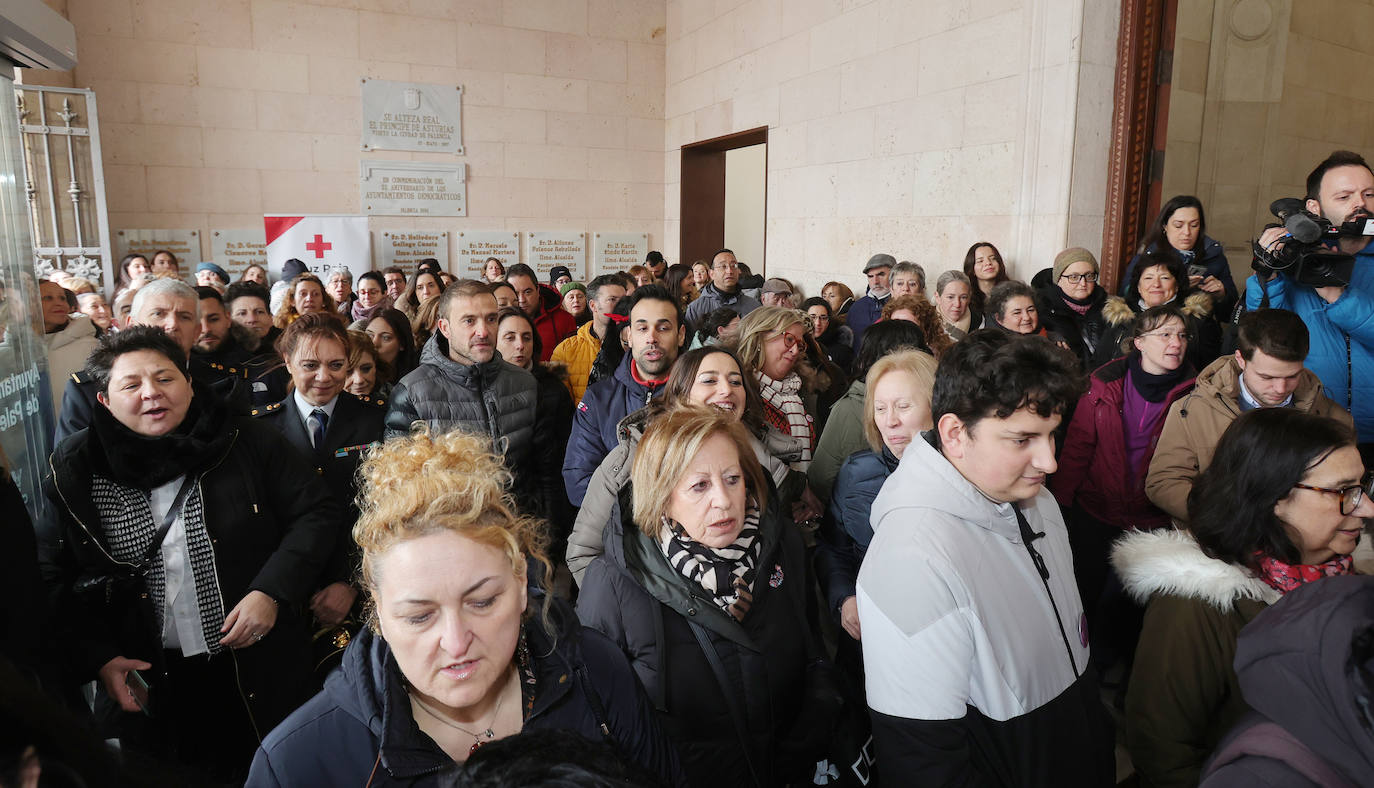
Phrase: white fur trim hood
(1169, 561)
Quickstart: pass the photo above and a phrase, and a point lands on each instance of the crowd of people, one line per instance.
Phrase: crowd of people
(683, 525)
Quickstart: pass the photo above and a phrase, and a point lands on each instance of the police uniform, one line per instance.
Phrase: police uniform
(356, 424)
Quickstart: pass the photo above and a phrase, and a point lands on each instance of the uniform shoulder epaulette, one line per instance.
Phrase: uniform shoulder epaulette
(266, 409)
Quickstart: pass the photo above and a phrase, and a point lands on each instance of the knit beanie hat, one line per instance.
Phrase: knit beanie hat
(1074, 254)
(567, 286)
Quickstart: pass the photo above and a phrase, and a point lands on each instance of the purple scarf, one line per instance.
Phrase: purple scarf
(367, 314)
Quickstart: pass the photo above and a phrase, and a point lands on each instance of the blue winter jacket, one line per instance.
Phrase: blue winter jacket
(359, 729)
(864, 313)
(1342, 335)
(593, 436)
(847, 531)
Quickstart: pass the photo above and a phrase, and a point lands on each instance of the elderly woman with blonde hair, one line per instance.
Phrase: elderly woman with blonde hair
(701, 573)
(896, 411)
(464, 644)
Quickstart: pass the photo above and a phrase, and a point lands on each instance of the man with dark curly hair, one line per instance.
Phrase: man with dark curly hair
(974, 640)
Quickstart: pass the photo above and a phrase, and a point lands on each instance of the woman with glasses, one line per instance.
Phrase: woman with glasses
(1282, 504)
(1101, 479)
(1070, 306)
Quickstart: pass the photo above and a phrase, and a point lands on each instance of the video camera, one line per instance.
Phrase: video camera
(1305, 258)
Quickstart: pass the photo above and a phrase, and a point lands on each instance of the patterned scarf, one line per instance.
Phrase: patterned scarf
(129, 526)
(784, 410)
(1287, 577)
(726, 573)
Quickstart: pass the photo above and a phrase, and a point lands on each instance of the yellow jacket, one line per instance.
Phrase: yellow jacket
(578, 352)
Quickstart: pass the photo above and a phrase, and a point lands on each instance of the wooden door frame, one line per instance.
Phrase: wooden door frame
(1140, 117)
(702, 207)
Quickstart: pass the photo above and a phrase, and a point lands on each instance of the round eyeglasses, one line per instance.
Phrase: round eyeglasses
(1350, 496)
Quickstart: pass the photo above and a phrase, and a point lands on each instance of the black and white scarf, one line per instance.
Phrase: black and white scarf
(720, 571)
(127, 520)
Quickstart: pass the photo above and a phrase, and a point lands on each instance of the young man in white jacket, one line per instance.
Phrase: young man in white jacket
(975, 643)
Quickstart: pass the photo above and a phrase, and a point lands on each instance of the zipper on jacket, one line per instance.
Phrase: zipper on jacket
(1349, 377)
(98, 545)
(1028, 535)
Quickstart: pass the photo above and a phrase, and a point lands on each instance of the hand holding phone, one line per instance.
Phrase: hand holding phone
(119, 677)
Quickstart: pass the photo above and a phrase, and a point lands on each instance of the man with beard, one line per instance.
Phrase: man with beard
(1339, 319)
(463, 383)
(656, 336)
(223, 348)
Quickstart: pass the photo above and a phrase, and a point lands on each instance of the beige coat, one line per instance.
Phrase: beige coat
(1195, 423)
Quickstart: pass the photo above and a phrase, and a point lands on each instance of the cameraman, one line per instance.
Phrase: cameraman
(1340, 318)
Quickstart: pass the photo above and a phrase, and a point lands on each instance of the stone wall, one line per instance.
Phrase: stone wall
(911, 128)
(214, 112)
(1262, 91)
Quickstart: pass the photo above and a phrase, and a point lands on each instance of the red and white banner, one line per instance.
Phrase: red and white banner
(323, 243)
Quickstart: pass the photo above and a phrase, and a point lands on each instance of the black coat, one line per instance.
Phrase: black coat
(553, 425)
(354, 427)
(1082, 333)
(230, 359)
(1198, 314)
(632, 595)
(269, 517)
(359, 730)
(79, 402)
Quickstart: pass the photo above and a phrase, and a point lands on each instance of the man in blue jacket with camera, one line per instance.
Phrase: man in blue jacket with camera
(1339, 318)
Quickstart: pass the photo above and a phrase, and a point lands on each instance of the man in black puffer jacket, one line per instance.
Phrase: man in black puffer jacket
(463, 383)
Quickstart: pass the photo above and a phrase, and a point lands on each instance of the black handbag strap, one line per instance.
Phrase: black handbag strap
(167, 520)
(731, 702)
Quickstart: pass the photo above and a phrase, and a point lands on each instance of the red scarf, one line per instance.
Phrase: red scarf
(1287, 577)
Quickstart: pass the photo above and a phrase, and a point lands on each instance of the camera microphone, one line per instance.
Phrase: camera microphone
(1292, 212)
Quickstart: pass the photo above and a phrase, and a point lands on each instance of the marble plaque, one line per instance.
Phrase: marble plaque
(618, 251)
(412, 116)
(475, 246)
(406, 248)
(414, 188)
(235, 250)
(544, 250)
(185, 244)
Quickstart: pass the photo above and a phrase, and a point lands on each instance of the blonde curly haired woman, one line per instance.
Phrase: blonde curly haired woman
(464, 645)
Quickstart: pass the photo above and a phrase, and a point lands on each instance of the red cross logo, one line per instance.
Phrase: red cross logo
(319, 246)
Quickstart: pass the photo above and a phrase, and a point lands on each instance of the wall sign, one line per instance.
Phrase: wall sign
(235, 250)
(544, 250)
(406, 248)
(618, 251)
(412, 116)
(185, 244)
(414, 188)
(475, 246)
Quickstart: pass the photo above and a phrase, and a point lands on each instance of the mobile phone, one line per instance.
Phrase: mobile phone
(139, 689)
(1197, 270)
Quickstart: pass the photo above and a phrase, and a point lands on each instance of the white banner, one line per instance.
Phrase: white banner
(323, 243)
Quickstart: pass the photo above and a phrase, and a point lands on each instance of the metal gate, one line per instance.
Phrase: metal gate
(65, 182)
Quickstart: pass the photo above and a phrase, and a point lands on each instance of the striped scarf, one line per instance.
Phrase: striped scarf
(726, 573)
(784, 410)
(129, 526)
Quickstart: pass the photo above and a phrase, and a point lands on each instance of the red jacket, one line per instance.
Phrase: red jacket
(553, 322)
(1093, 469)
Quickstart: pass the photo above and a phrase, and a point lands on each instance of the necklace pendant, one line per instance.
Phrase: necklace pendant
(489, 733)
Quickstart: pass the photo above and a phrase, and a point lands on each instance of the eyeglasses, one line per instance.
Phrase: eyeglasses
(1169, 336)
(789, 341)
(726, 267)
(1350, 496)
(1076, 278)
